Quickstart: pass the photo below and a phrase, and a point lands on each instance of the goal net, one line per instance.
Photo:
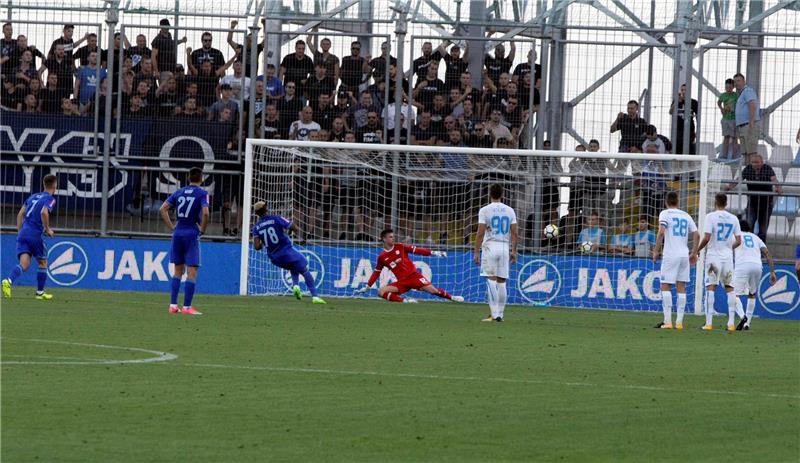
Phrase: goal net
(587, 221)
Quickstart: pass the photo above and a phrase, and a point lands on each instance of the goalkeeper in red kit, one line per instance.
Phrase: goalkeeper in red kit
(395, 258)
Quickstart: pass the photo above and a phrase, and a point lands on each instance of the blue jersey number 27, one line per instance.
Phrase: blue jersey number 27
(724, 231)
(184, 206)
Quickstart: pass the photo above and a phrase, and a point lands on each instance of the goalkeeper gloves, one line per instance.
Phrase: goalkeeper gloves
(363, 289)
(439, 253)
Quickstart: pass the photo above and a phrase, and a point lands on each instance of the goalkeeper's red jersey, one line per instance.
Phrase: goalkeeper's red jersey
(396, 260)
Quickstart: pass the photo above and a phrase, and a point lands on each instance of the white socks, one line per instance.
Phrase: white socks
(751, 307)
(709, 307)
(502, 297)
(681, 308)
(666, 305)
(734, 308)
(492, 296)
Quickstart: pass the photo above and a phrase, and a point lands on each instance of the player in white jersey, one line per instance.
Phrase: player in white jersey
(747, 275)
(722, 235)
(674, 228)
(495, 245)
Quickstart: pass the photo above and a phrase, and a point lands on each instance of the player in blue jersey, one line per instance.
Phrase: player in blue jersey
(191, 209)
(33, 220)
(270, 232)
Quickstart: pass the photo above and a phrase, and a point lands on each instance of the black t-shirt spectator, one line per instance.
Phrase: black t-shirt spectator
(166, 104)
(82, 54)
(495, 67)
(379, 67)
(680, 109)
(513, 119)
(525, 68)
(475, 96)
(212, 54)
(7, 47)
(351, 72)
(421, 134)
(437, 119)
(64, 70)
(477, 141)
(525, 97)
(297, 69)
(206, 89)
(403, 137)
(420, 65)
(430, 90)
(16, 56)
(764, 174)
(288, 110)
(315, 87)
(137, 54)
(632, 130)
(453, 71)
(51, 100)
(369, 135)
(275, 129)
(325, 117)
(11, 100)
(250, 57)
(68, 47)
(495, 99)
(167, 58)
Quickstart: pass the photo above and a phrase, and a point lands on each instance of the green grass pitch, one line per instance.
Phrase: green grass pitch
(274, 379)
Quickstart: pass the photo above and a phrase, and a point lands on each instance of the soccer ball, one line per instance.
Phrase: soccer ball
(587, 247)
(550, 231)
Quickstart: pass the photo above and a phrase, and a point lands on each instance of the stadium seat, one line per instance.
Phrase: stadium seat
(737, 203)
(792, 177)
(705, 148)
(781, 156)
(779, 227)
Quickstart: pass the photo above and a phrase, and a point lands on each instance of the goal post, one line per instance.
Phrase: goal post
(342, 195)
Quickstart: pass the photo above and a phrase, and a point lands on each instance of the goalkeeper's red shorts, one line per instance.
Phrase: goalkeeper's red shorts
(415, 281)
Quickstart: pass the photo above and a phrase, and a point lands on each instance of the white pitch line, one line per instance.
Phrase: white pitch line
(159, 356)
(487, 379)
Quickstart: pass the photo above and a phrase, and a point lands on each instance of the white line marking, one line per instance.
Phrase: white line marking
(159, 356)
(487, 379)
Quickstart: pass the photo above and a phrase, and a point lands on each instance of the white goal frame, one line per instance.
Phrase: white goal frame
(251, 143)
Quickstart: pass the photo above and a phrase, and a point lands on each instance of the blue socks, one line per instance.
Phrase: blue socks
(41, 278)
(188, 293)
(176, 287)
(312, 288)
(295, 279)
(15, 273)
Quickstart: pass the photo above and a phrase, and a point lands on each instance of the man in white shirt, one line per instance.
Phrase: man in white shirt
(722, 235)
(301, 129)
(240, 85)
(497, 230)
(674, 228)
(747, 276)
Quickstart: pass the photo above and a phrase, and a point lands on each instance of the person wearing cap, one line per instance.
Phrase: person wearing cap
(164, 54)
(270, 232)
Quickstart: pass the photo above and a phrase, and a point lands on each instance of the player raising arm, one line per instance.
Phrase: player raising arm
(747, 275)
(33, 220)
(191, 209)
(722, 235)
(495, 245)
(674, 228)
(395, 258)
(270, 232)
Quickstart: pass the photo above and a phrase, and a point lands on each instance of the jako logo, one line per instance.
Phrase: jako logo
(782, 297)
(539, 281)
(315, 266)
(70, 264)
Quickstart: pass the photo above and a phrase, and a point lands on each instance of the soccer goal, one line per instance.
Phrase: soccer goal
(587, 220)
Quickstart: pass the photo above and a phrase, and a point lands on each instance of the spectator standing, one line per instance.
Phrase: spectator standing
(207, 79)
(727, 106)
(138, 52)
(324, 112)
(273, 127)
(272, 84)
(428, 88)
(52, 95)
(499, 63)
(82, 54)
(408, 115)
(20, 49)
(469, 119)
(164, 52)
(301, 129)
(226, 102)
(327, 59)
(86, 80)
(357, 113)
(167, 97)
(455, 65)
(7, 46)
(652, 139)
(679, 148)
(495, 93)
(207, 53)
(290, 105)
(24, 72)
(631, 125)
(59, 65)
(12, 96)
(246, 54)
(522, 69)
(296, 66)
(372, 132)
(378, 65)
(319, 84)
(67, 41)
(469, 92)
(759, 204)
(748, 120)
(354, 68)
(240, 84)
(495, 127)
(420, 65)
(423, 133)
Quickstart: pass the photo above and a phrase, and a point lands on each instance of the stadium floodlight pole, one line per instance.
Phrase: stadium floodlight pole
(401, 26)
(112, 17)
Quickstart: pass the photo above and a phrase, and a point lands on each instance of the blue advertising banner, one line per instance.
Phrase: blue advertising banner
(564, 281)
(57, 139)
(126, 265)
